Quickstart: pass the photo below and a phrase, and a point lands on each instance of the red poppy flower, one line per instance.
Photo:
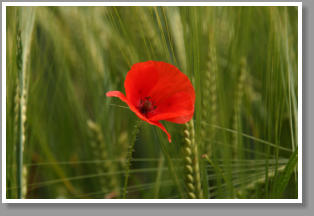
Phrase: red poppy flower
(158, 91)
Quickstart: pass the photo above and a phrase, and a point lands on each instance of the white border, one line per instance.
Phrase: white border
(300, 144)
(5, 4)
(152, 4)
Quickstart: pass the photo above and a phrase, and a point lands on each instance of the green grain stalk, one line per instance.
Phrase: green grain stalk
(110, 183)
(18, 117)
(159, 176)
(209, 102)
(237, 108)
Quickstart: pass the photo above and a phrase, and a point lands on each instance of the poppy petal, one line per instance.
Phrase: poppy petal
(170, 82)
(139, 81)
(178, 108)
(180, 119)
(158, 124)
(117, 94)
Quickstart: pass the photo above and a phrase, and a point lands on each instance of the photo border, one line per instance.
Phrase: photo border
(300, 194)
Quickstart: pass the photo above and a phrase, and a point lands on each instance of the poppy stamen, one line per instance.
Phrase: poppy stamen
(146, 105)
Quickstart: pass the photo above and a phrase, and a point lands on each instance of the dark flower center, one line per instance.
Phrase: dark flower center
(146, 105)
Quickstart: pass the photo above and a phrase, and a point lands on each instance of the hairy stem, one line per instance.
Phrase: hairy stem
(129, 158)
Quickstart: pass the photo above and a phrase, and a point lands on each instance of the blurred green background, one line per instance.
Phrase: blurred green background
(65, 139)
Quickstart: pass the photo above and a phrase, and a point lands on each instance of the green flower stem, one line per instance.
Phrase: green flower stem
(129, 157)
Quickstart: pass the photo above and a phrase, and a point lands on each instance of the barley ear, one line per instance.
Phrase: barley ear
(191, 163)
